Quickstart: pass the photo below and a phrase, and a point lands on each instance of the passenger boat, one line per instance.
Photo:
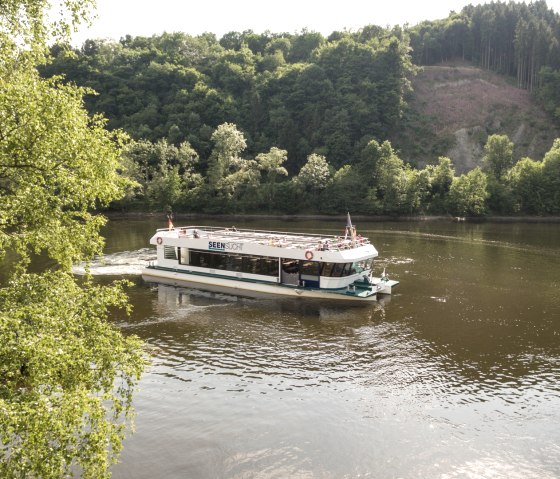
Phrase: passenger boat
(270, 263)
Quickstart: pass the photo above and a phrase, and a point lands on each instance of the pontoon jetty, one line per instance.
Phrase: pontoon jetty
(269, 263)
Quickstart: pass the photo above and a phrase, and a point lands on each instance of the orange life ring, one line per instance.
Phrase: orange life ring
(159, 240)
(309, 255)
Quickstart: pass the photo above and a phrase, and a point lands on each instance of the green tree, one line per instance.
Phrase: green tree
(440, 180)
(498, 155)
(303, 45)
(498, 159)
(528, 186)
(551, 180)
(166, 188)
(313, 178)
(229, 143)
(66, 374)
(417, 190)
(271, 165)
(549, 91)
(315, 175)
(240, 187)
(164, 172)
(388, 194)
(346, 192)
(468, 194)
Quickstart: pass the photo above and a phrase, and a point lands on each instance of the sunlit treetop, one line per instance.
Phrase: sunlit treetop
(37, 21)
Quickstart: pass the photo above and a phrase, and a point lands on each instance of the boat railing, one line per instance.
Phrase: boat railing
(316, 242)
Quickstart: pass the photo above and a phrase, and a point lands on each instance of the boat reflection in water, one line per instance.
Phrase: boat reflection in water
(175, 299)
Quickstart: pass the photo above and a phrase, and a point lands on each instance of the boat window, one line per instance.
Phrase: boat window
(327, 269)
(194, 257)
(268, 266)
(217, 261)
(361, 266)
(310, 268)
(206, 260)
(170, 252)
(199, 258)
(234, 262)
(339, 270)
(290, 267)
(250, 264)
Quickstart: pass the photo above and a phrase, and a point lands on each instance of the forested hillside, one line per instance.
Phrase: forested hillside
(292, 122)
(302, 93)
(519, 40)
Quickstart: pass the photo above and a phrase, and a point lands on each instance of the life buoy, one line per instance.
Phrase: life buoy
(309, 255)
(159, 240)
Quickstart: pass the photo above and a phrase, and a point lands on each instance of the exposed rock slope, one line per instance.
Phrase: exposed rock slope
(453, 110)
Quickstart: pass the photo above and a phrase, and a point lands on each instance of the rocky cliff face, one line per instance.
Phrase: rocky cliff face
(454, 109)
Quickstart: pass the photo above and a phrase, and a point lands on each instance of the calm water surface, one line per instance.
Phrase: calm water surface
(456, 376)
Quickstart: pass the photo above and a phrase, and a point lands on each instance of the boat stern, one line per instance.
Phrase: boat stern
(380, 285)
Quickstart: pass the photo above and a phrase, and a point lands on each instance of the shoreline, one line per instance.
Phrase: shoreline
(370, 218)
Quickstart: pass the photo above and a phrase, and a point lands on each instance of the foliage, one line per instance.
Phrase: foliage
(229, 142)
(551, 181)
(521, 40)
(498, 155)
(527, 182)
(379, 182)
(298, 92)
(468, 194)
(164, 172)
(315, 175)
(440, 179)
(512, 38)
(271, 165)
(66, 375)
(397, 188)
(252, 109)
(50, 153)
(497, 160)
(549, 91)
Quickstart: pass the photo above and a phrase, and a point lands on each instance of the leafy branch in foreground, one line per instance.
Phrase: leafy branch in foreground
(66, 374)
(66, 377)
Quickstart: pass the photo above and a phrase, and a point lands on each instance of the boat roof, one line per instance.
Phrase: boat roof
(303, 241)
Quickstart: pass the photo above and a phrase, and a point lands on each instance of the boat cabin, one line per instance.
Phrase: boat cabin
(290, 259)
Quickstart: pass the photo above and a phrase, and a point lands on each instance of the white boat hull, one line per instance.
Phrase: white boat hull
(251, 288)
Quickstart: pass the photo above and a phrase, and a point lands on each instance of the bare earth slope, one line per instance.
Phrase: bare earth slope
(453, 110)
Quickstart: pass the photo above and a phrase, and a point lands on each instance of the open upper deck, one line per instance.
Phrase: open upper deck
(302, 241)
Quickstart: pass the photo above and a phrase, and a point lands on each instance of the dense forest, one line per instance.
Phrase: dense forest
(299, 122)
(515, 39)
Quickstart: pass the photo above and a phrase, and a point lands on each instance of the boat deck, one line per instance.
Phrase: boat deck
(273, 238)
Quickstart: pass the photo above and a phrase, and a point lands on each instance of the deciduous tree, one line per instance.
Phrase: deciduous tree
(271, 165)
(66, 374)
(498, 155)
(468, 194)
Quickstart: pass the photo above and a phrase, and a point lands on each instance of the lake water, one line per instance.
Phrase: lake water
(457, 375)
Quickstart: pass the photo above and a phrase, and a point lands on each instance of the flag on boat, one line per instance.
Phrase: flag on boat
(169, 221)
(350, 230)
